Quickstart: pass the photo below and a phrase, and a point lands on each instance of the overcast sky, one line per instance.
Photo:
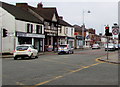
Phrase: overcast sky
(103, 12)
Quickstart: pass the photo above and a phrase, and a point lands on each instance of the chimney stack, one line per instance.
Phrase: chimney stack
(61, 17)
(22, 5)
(40, 5)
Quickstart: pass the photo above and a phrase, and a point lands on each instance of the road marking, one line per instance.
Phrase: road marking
(61, 76)
(19, 83)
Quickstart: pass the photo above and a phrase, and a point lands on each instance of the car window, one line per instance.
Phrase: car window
(32, 47)
(63, 45)
(110, 44)
(22, 47)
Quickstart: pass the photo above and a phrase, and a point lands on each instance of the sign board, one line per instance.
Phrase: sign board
(115, 31)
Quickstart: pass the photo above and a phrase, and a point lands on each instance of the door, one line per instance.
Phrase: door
(41, 45)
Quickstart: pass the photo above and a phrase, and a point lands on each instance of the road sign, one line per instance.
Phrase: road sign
(115, 31)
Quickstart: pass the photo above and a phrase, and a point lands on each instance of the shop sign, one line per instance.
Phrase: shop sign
(79, 37)
(22, 34)
(70, 38)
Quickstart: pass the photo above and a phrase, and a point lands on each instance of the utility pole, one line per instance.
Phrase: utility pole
(83, 26)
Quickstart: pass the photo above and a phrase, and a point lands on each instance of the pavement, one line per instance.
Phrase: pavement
(112, 58)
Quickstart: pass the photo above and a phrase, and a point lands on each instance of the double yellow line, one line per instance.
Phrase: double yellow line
(61, 76)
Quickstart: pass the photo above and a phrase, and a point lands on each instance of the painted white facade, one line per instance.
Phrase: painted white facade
(12, 25)
(8, 22)
(65, 33)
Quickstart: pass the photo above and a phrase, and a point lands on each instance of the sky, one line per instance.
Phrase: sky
(102, 12)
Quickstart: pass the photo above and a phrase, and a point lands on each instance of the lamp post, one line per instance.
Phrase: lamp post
(83, 26)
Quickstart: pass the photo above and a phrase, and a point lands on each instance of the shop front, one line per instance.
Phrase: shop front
(28, 38)
(79, 42)
(70, 41)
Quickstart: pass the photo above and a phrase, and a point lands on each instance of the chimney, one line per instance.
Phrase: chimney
(40, 5)
(22, 5)
(61, 17)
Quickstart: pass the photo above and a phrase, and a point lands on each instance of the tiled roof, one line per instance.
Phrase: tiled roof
(19, 13)
(46, 13)
(62, 22)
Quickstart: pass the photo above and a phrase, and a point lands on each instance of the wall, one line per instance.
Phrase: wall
(8, 22)
(22, 26)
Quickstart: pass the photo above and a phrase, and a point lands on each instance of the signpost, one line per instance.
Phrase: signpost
(115, 31)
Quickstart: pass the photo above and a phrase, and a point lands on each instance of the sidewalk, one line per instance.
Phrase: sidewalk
(112, 58)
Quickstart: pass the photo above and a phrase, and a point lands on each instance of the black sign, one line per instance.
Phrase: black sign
(79, 37)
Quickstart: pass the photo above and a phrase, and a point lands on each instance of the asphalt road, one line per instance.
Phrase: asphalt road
(80, 68)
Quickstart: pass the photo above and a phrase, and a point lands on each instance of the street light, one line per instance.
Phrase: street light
(83, 26)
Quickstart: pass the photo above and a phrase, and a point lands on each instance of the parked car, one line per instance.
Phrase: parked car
(25, 50)
(111, 47)
(65, 49)
(116, 46)
(96, 46)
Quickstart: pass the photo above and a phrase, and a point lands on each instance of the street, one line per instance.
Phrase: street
(80, 68)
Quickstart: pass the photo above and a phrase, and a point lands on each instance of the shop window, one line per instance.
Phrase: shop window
(38, 29)
(29, 28)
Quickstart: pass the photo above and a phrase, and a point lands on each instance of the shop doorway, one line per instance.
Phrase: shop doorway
(39, 44)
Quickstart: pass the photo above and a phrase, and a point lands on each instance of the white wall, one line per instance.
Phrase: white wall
(22, 26)
(69, 30)
(8, 22)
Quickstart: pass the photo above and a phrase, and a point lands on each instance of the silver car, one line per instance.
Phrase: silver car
(65, 49)
(111, 47)
(96, 46)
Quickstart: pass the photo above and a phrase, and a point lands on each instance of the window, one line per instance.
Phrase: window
(38, 29)
(66, 31)
(46, 24)
(60, 30)
(71, 31)
(29, 28)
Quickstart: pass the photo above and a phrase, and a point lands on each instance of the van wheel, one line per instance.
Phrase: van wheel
(15, 58)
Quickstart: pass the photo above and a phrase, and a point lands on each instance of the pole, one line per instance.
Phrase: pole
(107, 46)
(83, 30)
(1, 56)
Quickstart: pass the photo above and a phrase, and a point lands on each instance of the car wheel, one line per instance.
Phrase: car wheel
(15, 58)
(69, 52)
(72, 52)
(36, 56)
(59, 53)
(31, 55)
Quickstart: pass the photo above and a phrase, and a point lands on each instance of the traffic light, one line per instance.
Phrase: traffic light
(4, 33)
(107, 30)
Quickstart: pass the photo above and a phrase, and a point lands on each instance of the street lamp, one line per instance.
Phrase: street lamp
(83, 26)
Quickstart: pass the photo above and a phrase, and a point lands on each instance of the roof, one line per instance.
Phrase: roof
(78, 28)
(62, 22)
(46, 13)
(19, 13)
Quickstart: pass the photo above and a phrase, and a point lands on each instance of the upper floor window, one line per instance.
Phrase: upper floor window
(38, 29)
(60, 30)
(71, 31)
(29, 28)
(66, 31)
(46, 24)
